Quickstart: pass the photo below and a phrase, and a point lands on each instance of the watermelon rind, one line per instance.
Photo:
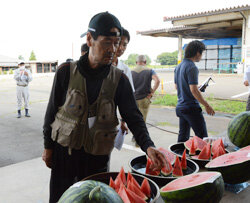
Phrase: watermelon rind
(232, 174)
(209, 191)
(80, 192)
(239, 129)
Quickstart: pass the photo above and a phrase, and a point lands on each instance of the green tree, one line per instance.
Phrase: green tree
(32, 56)
(131, 61)
(20, 57)
(168, 58)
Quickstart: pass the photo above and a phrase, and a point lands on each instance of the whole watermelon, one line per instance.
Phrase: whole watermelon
(239, 129)
(90, 191)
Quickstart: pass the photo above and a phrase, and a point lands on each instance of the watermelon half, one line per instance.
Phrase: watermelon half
(239, 129)
(199, 187)
(247, 148)
(90, 191)
(233, 166)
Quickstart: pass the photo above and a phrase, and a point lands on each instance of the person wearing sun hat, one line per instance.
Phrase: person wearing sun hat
(80, 121)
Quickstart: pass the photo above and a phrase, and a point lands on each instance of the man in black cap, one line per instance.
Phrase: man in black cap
(80, 121)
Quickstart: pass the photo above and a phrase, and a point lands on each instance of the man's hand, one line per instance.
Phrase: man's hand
(124, 127)
(209, 110)
(25, 73)
(157, 158)
(47, 157)
(150, 95)
(246, 83)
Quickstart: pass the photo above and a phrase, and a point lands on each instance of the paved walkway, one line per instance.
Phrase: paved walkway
(28, 181)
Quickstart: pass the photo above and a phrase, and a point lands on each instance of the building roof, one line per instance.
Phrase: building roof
(221, 23)
(208, 13)
(6, 61)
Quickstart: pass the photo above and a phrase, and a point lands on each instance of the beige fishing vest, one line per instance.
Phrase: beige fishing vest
(71, 127)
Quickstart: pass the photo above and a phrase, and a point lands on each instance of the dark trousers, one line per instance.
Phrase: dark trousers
(68, 169)
(190, 117)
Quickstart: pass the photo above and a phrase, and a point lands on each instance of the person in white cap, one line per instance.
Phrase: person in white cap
(22, 76)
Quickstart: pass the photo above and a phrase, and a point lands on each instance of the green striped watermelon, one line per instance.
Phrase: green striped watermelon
(90, 191)
(233, 166)
(195, 188)
(239, 129)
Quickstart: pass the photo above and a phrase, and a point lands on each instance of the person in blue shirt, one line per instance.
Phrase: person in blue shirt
(189, 97)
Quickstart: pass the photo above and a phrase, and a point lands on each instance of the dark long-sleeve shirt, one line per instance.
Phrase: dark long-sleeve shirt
(124, 99)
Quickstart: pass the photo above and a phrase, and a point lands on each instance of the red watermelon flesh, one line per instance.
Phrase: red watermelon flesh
(123, 194)
(184, 160)
(118, 183)
(136, 190)
(149, 171)
(133, 197)
(188, 144)
(200, 143)
(145, 188)
(129, 176)
(123, 176)
(192, 148)
(168, 154)
(216, 144)
(221, 150)
(177, 168)
(111, 183)
(167, 169)
(216, 154)
(229, 159)
(190, 181)
(247, 148)
(205, 153)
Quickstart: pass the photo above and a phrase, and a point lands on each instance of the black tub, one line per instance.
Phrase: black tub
(104, 177)
(138, 166)
(179, 148)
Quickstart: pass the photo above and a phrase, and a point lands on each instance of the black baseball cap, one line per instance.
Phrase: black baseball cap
(102, 23)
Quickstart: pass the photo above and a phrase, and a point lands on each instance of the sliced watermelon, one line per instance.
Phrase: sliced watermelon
(123, 176)
(197, 187)
(184, 160)
(145, 188)
(167, 169)
(233, 166)
(111, 183)
(205, 153)
(188, 144)
(177, 172)
(216, 154)
(192, 148)
(129, 176)
(149, 171)
(247, 148)
(200, 143)
(133, 197)
(118, 183)
(123, 194)
(216, 144)
(168, 154)
(136, 190)
(221, 150)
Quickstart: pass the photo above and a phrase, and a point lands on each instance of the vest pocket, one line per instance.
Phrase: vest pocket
(103, 142)
(61, 132)
(75, 103)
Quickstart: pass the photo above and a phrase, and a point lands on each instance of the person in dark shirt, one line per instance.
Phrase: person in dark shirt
(103, 38)
(186, 82)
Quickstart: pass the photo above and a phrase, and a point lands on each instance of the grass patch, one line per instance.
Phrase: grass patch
(224, 106)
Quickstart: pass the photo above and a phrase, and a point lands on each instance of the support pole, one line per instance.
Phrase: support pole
(179, 49)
